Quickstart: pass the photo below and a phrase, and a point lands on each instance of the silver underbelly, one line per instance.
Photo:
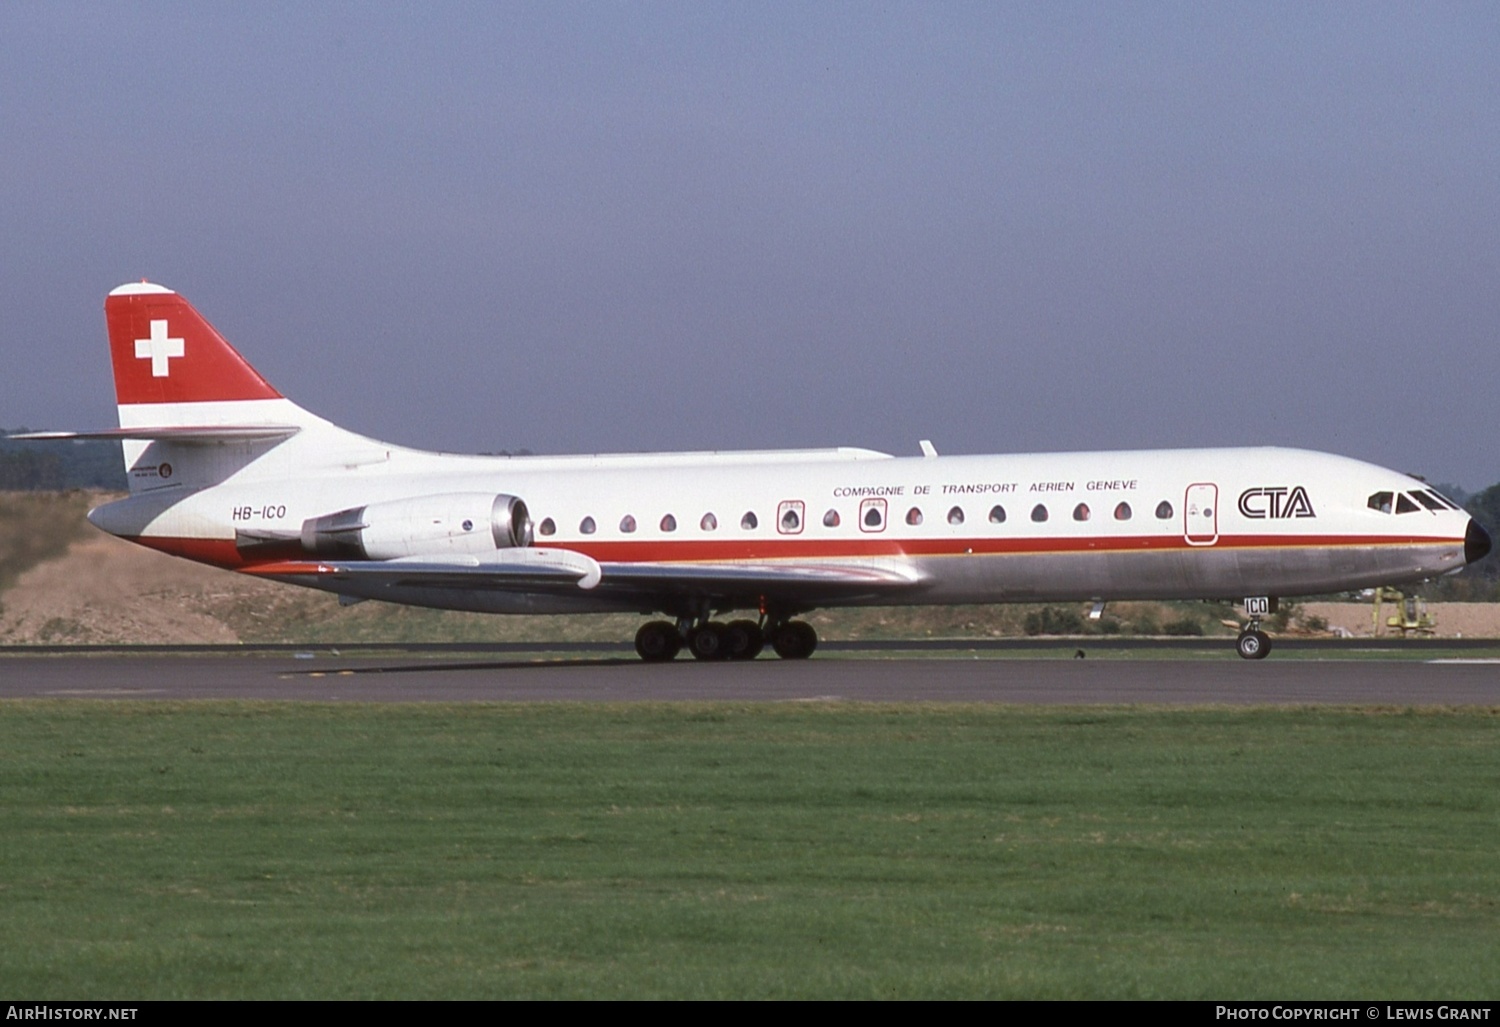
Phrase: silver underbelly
(1208, 573)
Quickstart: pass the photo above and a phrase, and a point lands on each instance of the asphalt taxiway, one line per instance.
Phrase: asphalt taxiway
(465, 677)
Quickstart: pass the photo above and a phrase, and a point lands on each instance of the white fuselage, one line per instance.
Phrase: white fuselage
(1211, 523)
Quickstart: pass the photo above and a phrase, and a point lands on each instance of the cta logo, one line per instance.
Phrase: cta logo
(1275, 501)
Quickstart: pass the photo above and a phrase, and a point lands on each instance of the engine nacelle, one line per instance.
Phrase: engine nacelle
(467, 523)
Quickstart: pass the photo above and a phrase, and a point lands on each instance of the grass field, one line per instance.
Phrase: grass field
(244, 850)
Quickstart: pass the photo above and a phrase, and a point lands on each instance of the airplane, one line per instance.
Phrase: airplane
(225, 470)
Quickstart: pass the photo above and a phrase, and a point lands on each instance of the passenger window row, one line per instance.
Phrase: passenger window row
(872, 517)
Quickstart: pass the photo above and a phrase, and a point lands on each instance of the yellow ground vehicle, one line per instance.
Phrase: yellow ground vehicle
(1411, 618)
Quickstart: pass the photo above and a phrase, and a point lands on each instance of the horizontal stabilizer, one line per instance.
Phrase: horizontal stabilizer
(188, 435)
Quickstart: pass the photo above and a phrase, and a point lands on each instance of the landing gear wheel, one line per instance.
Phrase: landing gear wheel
(794, 640)
(706, 642)
(658, 641)
(1253, 645)
(743, 640)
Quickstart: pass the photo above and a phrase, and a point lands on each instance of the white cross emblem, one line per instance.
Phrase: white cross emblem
(158, 349)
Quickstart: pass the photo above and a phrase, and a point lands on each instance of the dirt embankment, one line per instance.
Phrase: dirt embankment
(104, 590)
(1453, 620)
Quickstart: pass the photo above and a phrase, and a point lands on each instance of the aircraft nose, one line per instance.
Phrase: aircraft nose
(1476, 542)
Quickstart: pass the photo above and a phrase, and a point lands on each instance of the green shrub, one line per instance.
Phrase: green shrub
(1053, 620)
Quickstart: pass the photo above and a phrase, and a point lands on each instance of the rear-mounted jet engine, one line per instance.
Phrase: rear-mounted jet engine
(460, 523)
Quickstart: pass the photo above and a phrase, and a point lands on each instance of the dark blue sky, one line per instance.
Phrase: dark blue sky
(611, 226)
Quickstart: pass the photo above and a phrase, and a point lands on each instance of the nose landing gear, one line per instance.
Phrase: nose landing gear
(1253, 643)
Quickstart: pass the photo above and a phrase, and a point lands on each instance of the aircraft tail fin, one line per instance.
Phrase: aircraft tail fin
(193, 412)
(165, 352)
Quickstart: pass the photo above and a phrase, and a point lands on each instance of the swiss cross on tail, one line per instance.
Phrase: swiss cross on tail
(159, 349)
(165, 352)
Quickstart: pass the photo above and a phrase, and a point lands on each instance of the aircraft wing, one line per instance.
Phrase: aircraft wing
(514, 570)
(745, 584)
(564, 572)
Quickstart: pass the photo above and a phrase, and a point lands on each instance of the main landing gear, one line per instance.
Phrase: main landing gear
(659, 641)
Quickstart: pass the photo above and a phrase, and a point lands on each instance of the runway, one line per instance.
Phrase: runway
(329, 678)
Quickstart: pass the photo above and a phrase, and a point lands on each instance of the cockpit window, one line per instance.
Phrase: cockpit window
(1435, 494)
(1381, 501)
(1405, 505)
(1422, 497)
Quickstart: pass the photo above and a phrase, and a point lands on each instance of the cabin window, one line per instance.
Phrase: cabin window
(1039, 513)
(831, 519)
(749, 522)
(1164, 511)
(914, 517)
(627, 524)
(1122, 512)
(956, 515)
(547, 527)
(789, 517)
(709, 522)
(1404, 505)
(669, 523)
(872, 515)
(586, 526)
(1081, 512)
(997, 515)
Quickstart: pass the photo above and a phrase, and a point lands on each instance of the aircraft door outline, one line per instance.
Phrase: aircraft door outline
(1200, 514)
